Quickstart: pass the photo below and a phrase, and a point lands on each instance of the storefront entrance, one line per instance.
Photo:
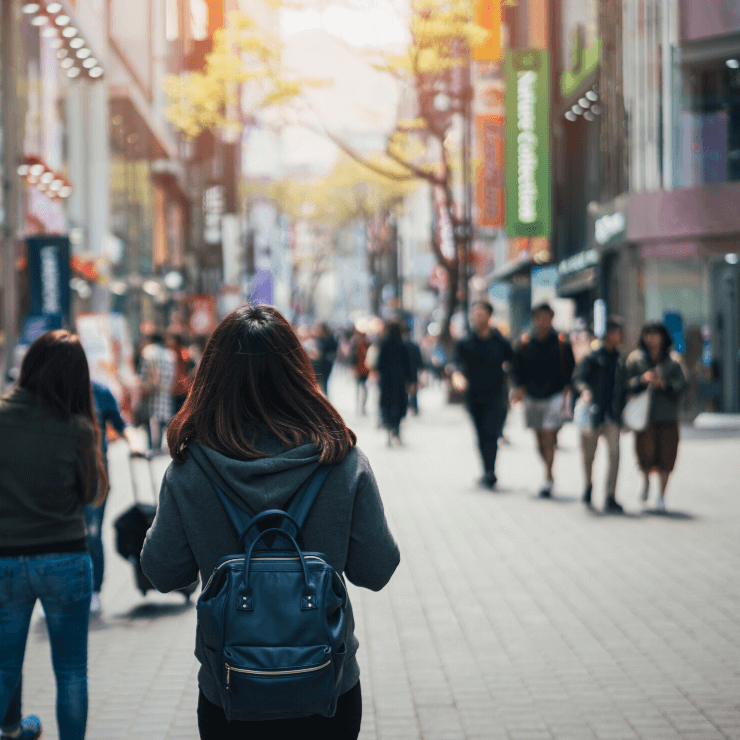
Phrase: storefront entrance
(725, 279)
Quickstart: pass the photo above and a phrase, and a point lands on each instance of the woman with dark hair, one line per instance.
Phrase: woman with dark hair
(395, 376)
(50, 468)
(256, 423)
(653, 365)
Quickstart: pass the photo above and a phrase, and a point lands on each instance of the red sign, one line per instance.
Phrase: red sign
(490, 176)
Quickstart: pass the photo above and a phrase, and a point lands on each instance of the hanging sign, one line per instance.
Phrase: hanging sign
(528, 206)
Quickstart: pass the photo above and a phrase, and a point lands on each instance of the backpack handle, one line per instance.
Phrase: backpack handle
(245, 602)
(287, 519)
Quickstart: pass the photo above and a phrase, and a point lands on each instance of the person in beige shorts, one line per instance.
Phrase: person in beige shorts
(542, 370)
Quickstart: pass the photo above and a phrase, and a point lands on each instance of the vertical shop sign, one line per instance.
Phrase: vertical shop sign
(488, 15)
(490, 179)
(527, 74)
(48, 278)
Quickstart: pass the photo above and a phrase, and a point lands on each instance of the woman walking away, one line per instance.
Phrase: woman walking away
(50, 468)
(652, 365)
(395, 377)
(256, 425)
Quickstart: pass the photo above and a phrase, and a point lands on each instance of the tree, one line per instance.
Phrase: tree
(243, 65)
(348, 194)
(433, 73)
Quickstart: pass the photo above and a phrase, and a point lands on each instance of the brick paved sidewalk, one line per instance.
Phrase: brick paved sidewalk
(509, 617)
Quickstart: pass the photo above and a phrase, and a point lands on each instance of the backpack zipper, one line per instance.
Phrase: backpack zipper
(235, 560)
(294, 672)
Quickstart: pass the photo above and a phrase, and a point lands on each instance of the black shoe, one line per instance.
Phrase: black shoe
(612, 506)
(587, 495)
(546, 491)
(488, 481)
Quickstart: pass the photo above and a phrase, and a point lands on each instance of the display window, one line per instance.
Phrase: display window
(709, 123)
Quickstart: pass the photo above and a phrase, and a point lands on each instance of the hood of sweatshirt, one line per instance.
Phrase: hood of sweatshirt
(265, 483)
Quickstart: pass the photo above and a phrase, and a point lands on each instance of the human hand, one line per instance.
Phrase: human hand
(648, 377)
(659, 381)
(587, 397)
(459, 382)
(517, 395)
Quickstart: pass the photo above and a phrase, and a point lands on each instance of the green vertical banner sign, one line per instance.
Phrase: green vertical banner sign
(528, 169)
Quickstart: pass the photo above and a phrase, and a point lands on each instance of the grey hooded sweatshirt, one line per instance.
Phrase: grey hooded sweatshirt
(192, 531)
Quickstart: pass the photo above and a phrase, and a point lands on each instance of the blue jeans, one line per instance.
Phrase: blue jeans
(63, 582)
(94, 522)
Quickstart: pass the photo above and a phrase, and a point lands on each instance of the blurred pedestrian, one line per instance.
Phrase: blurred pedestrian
(414, 352)
(481, 364)
(261, 440)
(158, 370)
(599, 380)
(50, 468)
(358, 356)
(327, 347)
(654, 366)
(106, 412)
(394, 377)
(184, 366)
(542, 370)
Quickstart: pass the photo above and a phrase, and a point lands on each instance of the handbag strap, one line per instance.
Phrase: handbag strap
(298, 509)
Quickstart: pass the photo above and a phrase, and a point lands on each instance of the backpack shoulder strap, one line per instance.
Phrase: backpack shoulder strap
(240, 519)
(304, 499)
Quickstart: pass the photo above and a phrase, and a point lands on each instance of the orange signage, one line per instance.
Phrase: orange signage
(488, 15)
(490, 175)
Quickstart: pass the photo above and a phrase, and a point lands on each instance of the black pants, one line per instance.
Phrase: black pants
(488, 417)
(344, 725)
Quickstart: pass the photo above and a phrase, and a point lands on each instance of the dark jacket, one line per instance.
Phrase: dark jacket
(543, 367)
(395, 371)
(592, 374)
(482, 362)
(42, 476)
(192, 531)
(664, 405)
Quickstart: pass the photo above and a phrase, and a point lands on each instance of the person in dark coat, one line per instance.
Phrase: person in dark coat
(482, 361)
(599, 380)
(328, 347)
(395, 376)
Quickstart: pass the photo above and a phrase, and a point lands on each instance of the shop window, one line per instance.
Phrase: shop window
(709, 124)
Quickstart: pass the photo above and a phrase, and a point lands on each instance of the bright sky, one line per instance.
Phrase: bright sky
(369, 26)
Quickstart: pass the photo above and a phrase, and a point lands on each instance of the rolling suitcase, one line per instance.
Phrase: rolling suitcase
(132, 526)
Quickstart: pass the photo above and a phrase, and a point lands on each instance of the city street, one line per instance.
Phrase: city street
(509, 617)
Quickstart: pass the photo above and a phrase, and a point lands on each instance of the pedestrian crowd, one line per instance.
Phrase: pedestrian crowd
(268, 500)
(605, 393)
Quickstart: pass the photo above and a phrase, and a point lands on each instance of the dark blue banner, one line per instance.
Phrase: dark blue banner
(48, 278)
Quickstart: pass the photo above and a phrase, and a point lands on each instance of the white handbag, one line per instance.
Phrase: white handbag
(636, 412)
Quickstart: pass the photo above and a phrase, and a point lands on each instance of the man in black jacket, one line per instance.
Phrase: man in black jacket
(482, 361)
(543, 366)
(599, 380)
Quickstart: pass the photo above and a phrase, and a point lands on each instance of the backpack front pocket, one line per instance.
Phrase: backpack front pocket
(279, 680)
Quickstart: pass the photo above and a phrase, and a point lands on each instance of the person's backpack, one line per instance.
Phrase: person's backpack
(272, 621)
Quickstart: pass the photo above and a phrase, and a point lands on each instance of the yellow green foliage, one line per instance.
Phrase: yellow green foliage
(244, 61)
(348, 192)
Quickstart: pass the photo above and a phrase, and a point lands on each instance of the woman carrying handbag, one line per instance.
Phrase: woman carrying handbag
(256, 425)
(655, 372)
(50, 468)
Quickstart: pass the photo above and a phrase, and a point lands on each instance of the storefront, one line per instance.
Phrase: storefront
(689, 250)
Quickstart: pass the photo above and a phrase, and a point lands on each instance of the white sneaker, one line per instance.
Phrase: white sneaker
(95, 606)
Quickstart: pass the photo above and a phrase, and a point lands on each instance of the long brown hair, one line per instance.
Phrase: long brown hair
(55, 370)
(255, 374)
